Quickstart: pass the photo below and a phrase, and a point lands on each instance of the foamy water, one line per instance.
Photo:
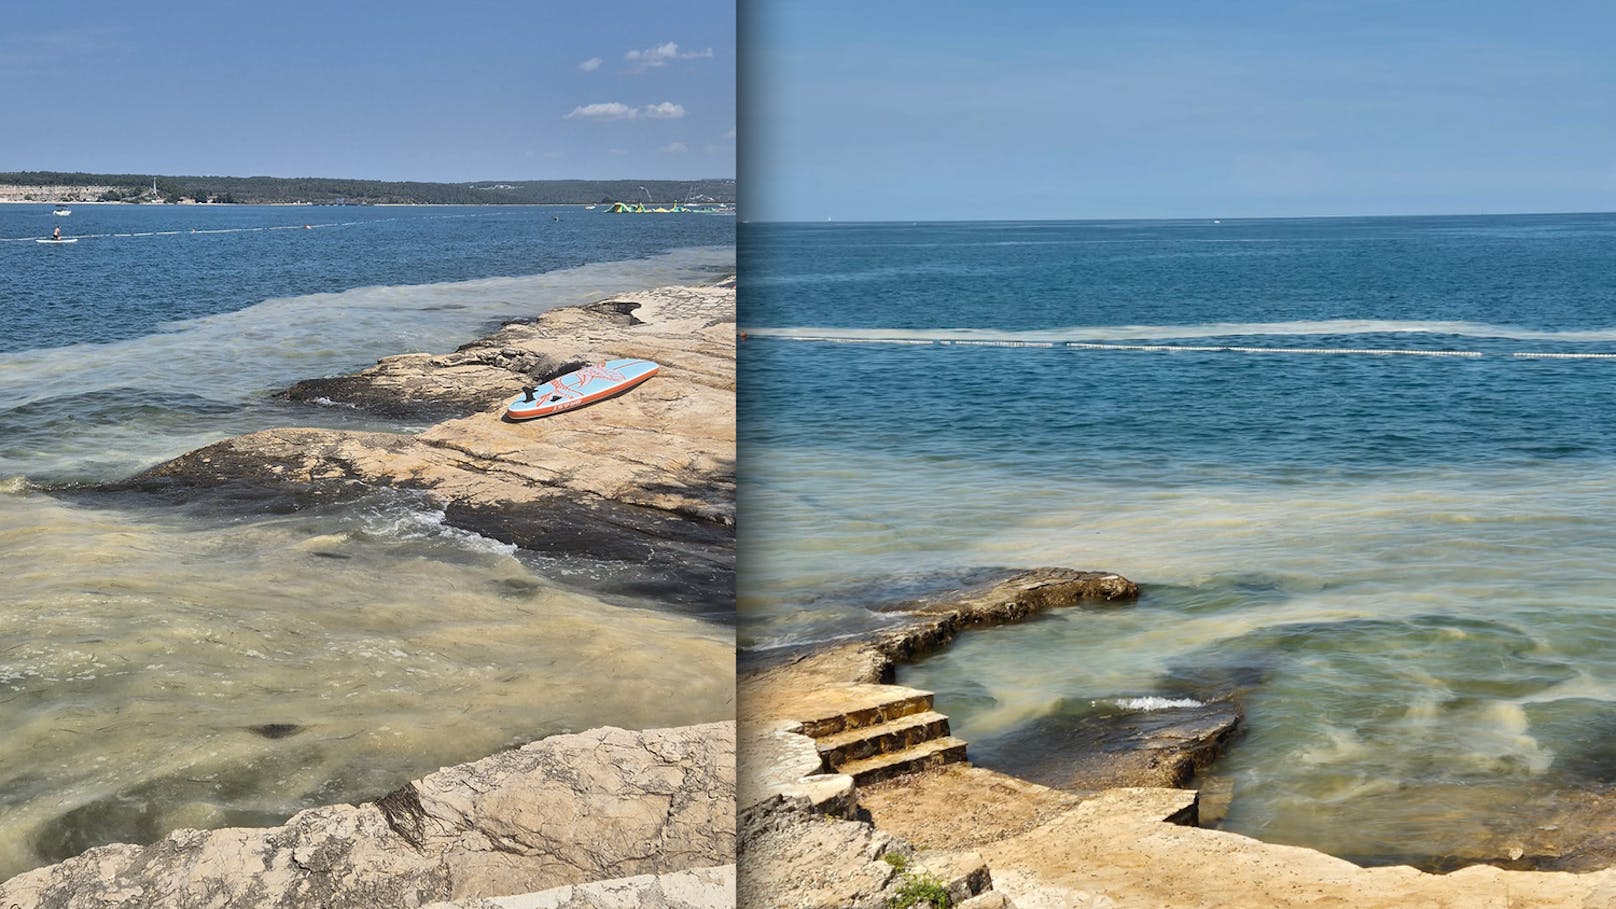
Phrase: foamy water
(1295, 328)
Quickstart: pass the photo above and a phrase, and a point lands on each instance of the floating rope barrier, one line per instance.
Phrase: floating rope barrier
(1190, 348)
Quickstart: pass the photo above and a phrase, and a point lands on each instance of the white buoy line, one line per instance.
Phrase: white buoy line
(1191, 348)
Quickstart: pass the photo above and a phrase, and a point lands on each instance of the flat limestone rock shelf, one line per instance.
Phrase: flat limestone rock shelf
(646, 478)
(595, 806)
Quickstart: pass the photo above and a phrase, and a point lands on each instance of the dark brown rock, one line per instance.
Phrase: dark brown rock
(643, 483)
(1100, 745)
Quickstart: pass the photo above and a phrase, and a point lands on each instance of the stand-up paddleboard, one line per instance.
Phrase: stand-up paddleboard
(580, 387)
(49, 240)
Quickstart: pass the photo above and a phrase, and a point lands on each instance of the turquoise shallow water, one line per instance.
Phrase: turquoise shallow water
(1398, 563)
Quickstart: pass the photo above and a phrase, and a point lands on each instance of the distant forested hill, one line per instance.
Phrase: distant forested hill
(250, 190)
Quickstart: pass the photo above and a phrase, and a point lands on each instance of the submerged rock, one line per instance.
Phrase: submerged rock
(1102, 745)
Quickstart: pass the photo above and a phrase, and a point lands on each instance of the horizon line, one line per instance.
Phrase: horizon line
(108, 173)
(1201, 218)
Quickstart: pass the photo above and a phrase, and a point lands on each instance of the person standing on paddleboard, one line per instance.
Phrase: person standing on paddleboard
(57, 233)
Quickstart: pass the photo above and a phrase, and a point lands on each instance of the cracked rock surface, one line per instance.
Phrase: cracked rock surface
(595, 806)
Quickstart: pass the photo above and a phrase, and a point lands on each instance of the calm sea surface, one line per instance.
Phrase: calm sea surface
(1403, 565)
(166, 667)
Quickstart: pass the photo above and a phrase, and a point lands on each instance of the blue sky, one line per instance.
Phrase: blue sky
(397, 90)
(905, 110)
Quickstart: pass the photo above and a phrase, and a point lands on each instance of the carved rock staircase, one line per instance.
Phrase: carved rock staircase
(873, 732)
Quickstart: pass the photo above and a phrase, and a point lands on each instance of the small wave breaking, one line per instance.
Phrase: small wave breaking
(1152, 703)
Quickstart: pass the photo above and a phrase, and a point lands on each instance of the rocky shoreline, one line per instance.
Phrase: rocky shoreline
(645, 480)
(855, 794)
(653, 807)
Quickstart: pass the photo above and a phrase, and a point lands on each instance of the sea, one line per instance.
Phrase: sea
(204, 663)
(1364, 470)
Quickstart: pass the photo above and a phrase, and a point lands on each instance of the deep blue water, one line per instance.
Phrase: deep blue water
(167, 327)
(1399, 563)
(111, 286)
(1537, 271)
(1446, 283)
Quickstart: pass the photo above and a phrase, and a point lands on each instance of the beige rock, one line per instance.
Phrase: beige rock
(702, 888)
(594, 806)
(645, 478)
(814, 685)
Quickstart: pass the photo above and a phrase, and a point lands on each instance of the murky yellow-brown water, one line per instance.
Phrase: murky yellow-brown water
(161, 671)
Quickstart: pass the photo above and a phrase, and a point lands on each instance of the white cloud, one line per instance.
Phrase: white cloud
(653, 57)
(590, 65)
(675, 148)
(617, 110)
(610, 110)
(667, 110)
(730, 134)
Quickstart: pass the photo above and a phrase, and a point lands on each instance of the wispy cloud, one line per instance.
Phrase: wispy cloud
(675, 148)
(662, 55)
(610, 110)
(46, 49)
(730, 134)
(617, 110)
(590, 65)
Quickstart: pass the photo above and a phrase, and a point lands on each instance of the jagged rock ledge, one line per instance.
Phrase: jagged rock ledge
(854, 794)
(647, 478)
(631, 808)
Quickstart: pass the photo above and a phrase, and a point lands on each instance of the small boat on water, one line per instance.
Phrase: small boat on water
(57, 241)
(62, 212)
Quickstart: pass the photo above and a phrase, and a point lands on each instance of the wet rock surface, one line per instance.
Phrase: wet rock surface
(595, 806)
(642, 484)
(997, 598)
(1099, 745)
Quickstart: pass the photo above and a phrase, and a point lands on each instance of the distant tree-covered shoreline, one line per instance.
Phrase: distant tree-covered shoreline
(332, 191)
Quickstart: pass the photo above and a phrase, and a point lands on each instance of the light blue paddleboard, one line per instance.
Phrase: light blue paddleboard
(580, 387)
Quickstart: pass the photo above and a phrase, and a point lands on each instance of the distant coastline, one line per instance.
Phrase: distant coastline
(45, 187)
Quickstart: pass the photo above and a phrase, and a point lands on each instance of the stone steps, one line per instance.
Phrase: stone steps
(895, 735)
(933, 753)
(872, 732)
(857, 706)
